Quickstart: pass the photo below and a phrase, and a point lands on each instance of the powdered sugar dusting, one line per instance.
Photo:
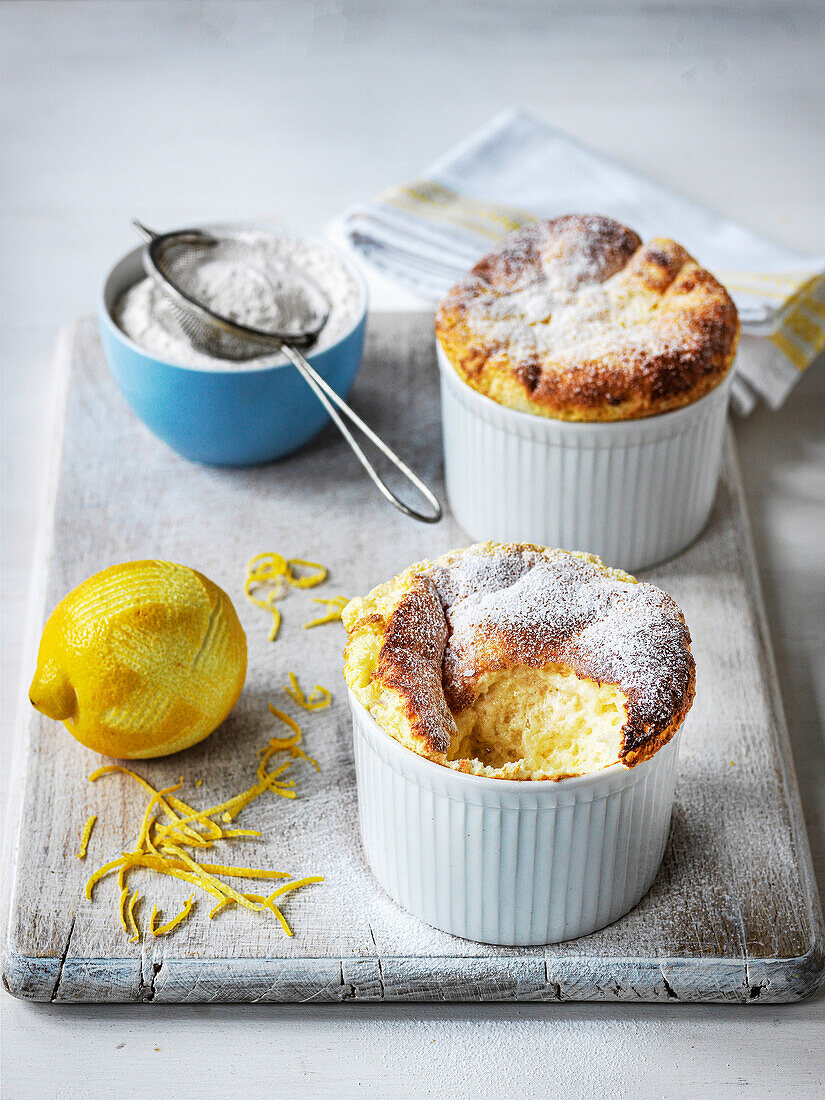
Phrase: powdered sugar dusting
(563, 291)
(509, 605)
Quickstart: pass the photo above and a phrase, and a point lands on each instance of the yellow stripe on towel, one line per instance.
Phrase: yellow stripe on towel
(800, 328)
(440, 204)
(800, 335)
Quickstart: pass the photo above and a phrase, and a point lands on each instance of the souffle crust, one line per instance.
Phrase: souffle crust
(577, 319)
(515, 661)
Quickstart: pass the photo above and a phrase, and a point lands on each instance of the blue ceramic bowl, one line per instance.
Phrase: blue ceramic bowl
(241, 416)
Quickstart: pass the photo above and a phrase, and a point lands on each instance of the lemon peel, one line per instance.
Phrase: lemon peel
(268, 575)
(253, 582)
(165, 929)
(291, 743)
(311, 702)
(130, 916)
(85, 835)
(336, 606)
(124, 894)
(162, 842)
(318, 577)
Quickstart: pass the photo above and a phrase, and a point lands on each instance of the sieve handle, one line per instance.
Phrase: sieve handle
(333, 403)
(142, 231)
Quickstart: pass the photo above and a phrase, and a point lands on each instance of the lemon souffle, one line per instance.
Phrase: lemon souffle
(513, 661)
(578, 319)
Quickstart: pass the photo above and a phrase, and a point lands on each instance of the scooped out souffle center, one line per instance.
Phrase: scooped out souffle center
(517, 662)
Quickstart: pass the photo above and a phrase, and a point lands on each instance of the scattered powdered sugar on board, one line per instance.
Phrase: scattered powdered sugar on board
(261, 294)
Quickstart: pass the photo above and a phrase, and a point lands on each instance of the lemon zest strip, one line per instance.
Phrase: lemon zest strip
(267, 565)
(221, 905)
(130, 914)
(242, 872)
(306, 582)
(154, 863)
(148, 816)
(84, 836)
(205, 877)
(293, 745)
(101, 872)
(308, 881)
(336, 605)
(262, 570)
(268, 903)
(295, 691)
(164, 929)
(123, 896)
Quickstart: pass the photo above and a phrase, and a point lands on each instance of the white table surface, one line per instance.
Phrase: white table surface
(180, 111)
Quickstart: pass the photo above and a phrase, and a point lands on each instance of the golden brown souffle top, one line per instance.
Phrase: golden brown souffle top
(577, 319)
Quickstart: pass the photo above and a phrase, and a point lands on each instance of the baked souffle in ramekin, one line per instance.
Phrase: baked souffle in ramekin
(513, 661)
(585, 379)
(578, 319)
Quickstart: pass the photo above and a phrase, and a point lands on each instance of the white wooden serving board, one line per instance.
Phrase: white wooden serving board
(733, 916)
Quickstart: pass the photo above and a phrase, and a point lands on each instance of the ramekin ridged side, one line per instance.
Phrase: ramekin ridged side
(504, 862)
(633, 491)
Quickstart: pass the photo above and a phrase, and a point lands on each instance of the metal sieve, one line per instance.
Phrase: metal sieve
(170, 260)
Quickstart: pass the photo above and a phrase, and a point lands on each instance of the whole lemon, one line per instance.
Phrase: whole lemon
(142, 659)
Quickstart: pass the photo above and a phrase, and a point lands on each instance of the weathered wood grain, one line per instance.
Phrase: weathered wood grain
(733, 915)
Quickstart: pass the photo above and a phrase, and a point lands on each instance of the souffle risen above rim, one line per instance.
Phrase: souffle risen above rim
(577, 319)
(513, 661)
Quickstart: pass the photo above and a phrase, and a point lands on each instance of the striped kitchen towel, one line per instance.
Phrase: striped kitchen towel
(427, 233)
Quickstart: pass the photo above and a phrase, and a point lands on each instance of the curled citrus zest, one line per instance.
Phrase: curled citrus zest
(164, 929)
(101, 872)
(84, 836)
(336, 605)
(289, 886)
(267, 571)
(295, 691)
(124, 894)
(221, 905)
(293, 725)
(207, 879)
(291, 743)
(130, 916)
(269, 574)
(267, 565)
(148, 816)
(268, 903)
(318, 577)
(141, 859)
(170, 829)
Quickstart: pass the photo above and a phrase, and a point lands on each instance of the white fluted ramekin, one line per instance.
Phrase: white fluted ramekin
(509, 862)
(632, 491)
